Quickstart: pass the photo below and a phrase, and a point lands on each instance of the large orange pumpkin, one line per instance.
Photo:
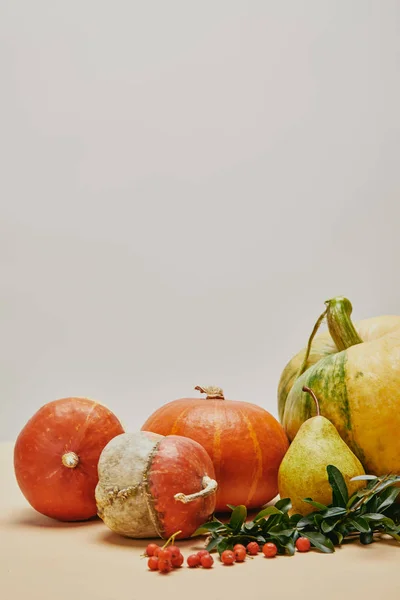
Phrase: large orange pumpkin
(56, 456)
(244, 441)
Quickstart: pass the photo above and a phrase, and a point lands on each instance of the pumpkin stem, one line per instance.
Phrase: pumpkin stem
(70, 460)
(209, 488)
(314, 397)
(310, 341)
(213, 393)
(340, 325)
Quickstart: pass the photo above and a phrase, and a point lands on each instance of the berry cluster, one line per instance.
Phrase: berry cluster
(239, 552)
(163, 559)
(166, 558)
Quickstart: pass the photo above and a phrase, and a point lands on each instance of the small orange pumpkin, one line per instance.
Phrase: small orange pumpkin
(245, 442)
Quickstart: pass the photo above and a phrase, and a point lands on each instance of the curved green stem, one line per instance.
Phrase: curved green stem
(340, 326)
(310, 341)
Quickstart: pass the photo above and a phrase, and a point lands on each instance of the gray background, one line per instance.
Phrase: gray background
(183, 184)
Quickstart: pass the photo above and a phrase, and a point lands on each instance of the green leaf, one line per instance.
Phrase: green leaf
(364, 478)
(319, 540)
(250, 527)
(318, 518)
(316, 505)
(213, 543)
(328, 526)
(284, 532)
(334, 511)
(266, 512)
(373, 516)
(352, 500)
(389, 523)
(208, 527)
(225, 544)
(371, 504)
(306, 521)
(231, 506)
(360, 524)
(290, 548)
(294, 519)
(387, 498)
(238, 517)
(271, 522)
(284, 505)
(340, 494)
(338, 536)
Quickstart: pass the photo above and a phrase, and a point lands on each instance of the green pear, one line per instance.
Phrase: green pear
(302, 473)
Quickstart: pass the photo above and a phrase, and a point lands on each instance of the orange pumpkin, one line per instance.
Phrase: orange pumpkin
(245, 442)
(56, 456)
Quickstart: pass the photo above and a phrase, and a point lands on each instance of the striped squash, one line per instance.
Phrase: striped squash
(246, 444)
(354, 369)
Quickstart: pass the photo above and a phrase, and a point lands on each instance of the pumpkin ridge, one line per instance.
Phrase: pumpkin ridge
(175, 426)
(258, 453)
(216, 450)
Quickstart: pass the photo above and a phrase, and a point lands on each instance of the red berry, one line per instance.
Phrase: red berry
(228, 557)
(175, 552)
(269, 549)
(207, 561)
(303, 544)
(152, 563)
(253, 548)
(202, 553)
(156, 551)
(193, 560)
(240, 554)
(177, 561)
(164, 565)
(150, 549)
(164, 554)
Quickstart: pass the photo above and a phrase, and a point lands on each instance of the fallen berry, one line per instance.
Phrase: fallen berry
(175, 551)
(240, 554)
(164, 565)
(269, 550)
(228, 557)
(193, 560)
(164, 554)
(253, 548)
(207, 561)
(177, 561)
(236, 546)
(151, 548)
(303, 544)
(152, 563)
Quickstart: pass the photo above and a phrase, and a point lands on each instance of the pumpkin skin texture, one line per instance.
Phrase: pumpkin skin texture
(246, 444)
(358, 390)
(60, 434)
(146, 482)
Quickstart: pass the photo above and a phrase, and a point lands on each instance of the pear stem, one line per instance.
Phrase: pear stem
(314, 397)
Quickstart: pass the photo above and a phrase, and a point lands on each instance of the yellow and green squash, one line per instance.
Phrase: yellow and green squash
(354, 369)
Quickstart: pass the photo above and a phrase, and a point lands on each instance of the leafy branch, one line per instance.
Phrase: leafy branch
(371, 510)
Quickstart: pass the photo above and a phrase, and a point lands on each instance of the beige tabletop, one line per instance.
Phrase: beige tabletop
(43, 559)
